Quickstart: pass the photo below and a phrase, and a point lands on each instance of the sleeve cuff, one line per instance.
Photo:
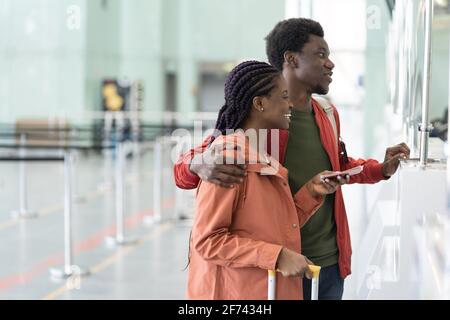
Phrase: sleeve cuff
(306, 201)
(189, 174)
(184, 178)
(268, 256)
(376, 171)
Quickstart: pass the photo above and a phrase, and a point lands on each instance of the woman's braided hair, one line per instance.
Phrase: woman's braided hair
(246, 81)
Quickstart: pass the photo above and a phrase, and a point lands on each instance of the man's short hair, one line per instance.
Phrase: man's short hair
(290, 35)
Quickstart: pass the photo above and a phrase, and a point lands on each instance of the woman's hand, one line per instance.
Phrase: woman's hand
(293, 264)
(321, 187)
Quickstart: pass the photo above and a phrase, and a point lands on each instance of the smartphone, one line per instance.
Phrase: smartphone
(351, 172)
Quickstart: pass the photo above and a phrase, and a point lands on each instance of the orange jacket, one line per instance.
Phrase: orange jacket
(238, 234)
(372, 173)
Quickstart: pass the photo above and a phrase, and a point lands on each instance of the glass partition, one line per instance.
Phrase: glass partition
(406, 54)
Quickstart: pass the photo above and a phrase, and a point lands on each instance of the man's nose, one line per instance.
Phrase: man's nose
(330, 64)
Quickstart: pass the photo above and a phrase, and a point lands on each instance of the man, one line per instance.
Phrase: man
(297, 48)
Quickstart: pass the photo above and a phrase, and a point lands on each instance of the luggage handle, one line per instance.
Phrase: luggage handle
(272, 283)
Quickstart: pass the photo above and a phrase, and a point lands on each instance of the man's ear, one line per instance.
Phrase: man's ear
(258, 104)
(291, 59)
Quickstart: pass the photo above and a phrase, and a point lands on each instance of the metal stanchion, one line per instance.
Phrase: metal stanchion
(426, 127)
(119, 239)
(157, 183)
(68, 270)
(179, 211)
(76, 196)
(107, 179)
(135, 139)
(23, 211)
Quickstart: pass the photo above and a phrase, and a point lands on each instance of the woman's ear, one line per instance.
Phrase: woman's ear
(258, 104)
(291, 59)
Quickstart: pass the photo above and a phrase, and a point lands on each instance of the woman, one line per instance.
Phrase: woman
(239, 233)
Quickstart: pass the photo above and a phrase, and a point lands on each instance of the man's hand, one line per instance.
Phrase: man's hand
(318, 187)
(293, 264)
(212, 167)
(392, 158)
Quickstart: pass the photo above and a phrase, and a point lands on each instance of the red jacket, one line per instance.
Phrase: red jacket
(372, 173)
